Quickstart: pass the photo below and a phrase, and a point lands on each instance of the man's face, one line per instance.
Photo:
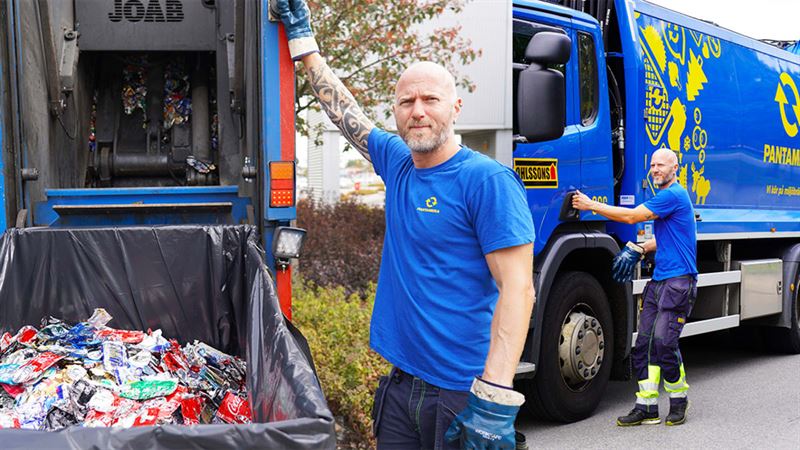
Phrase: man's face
(663, 168)
(425, 110)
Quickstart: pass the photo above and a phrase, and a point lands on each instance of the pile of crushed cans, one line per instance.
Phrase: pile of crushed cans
(91, 375)
(134, 85)
(177, 107)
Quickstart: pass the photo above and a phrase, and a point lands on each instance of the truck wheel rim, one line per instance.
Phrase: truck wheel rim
(581, 347)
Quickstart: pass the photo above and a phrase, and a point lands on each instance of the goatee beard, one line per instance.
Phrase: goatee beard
(424, 146)
(666, 181)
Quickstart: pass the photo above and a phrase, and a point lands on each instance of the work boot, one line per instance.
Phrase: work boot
(521, 444)
(638, 417)
(677, 413)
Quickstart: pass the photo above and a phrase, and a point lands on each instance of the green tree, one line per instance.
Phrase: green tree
(368, 43)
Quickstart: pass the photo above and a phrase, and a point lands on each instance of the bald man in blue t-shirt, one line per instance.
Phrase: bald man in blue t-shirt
(668, 297)
(455, 290)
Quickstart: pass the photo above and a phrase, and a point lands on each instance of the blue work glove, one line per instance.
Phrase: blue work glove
(625, 262)
(488, 420)
(297, 21)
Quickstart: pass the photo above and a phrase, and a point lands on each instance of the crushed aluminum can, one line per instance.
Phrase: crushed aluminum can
(13, 390)
(234, 409)
(100, 317)
(102, 401)
(58, 419)
(75, 373)
(5, 341)
(80, 395)
(35, 368)
(146, 417)
(144, 389)
(9, 420)
(96, 418)
(7, 372)
(154, 342)
(26, 334)
(141, 359)
(199, 165)
(191, 408)
(115, 359)
(125, 336)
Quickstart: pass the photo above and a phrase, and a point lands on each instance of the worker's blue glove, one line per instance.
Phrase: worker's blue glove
(297, 21)
(625, 262)
(488, 420)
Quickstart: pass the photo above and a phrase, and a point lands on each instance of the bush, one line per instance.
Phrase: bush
(337, 329)
(343, 245)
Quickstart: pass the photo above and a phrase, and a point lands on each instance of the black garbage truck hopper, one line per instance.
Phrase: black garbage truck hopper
(208, 283)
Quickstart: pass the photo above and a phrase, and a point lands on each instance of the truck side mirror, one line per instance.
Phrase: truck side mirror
(541, 95)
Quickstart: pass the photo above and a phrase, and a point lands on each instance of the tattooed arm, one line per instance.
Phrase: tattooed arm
(338, 103)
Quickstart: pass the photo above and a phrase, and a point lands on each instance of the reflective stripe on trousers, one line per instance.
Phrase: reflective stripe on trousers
(665, 308)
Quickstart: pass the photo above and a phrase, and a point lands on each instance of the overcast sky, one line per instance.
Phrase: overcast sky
(761, 19)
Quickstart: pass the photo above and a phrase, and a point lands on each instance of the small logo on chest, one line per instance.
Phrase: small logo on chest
(430, 205)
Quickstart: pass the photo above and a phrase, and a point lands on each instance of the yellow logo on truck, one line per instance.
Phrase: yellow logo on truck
(537, 173)
(675, 79)
(789, 124)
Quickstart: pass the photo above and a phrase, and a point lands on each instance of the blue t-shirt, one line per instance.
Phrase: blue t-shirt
(436, 296)
(676, 233)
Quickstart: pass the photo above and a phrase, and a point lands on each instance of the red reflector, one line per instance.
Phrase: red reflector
(281, 197)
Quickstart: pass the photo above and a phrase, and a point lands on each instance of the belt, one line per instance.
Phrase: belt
(685, 277)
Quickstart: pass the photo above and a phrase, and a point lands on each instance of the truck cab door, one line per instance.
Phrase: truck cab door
(550, 168)
(593, 122)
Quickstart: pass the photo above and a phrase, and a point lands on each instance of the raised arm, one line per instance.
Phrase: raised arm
(335, 98)
(338, 103)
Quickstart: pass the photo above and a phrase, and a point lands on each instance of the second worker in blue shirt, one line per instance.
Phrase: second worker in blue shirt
(668, 297)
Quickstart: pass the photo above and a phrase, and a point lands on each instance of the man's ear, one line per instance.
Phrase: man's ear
(457, 107)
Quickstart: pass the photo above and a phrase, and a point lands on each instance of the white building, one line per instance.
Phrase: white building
(486, 118)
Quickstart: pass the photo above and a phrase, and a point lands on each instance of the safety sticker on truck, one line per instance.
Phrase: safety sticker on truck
(537, 173)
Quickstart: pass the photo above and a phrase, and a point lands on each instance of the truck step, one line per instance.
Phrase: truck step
(703, 279)
(705, 326)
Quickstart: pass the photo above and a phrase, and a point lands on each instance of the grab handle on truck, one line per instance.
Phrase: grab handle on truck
(568, 213)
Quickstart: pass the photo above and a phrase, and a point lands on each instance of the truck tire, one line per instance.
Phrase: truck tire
(576, 351)
(787, 340)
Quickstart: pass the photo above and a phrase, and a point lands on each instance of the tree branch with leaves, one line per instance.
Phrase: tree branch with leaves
(369, 43)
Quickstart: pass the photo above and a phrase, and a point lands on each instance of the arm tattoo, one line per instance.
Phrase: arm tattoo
(341, 107)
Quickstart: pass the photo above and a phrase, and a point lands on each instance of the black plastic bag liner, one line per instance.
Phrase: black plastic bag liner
(194, 282)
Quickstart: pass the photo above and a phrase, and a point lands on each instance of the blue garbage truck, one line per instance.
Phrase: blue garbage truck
(598, 87)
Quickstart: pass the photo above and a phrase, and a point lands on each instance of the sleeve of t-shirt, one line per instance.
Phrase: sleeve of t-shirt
(663, 204)
(500, 213)
(385, 150)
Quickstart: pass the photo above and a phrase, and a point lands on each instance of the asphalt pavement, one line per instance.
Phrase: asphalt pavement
(741, 397)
